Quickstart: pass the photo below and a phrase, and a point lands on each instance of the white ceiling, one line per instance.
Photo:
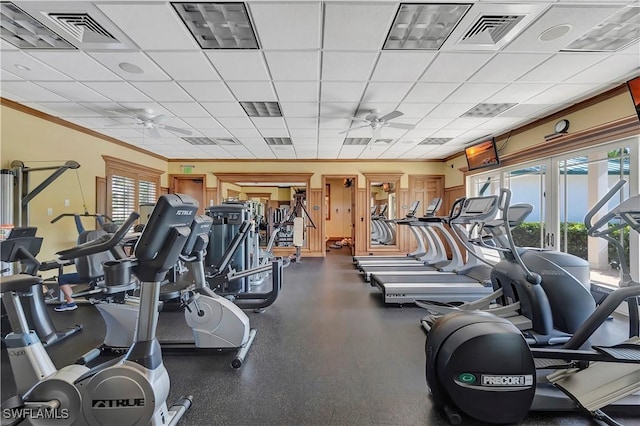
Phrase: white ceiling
(323, 62)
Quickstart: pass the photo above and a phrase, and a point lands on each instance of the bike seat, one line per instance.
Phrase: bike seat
(20, 282)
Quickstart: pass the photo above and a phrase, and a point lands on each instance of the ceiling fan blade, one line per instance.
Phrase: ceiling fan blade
(175, 129)
(154, 133)
(390, 116)
(159, 118)
(401, 126)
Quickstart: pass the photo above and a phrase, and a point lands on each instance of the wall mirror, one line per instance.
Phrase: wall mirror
(274, 198)
(383, 194)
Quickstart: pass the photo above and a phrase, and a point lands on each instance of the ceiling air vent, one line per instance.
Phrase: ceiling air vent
(356, 141)
(490, 29)
(278, 141)
(434, 141)
(487, 110)
(83, 27)
(262, 109)
(210, 141)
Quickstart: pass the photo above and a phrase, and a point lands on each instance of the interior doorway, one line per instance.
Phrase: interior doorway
(194, 185)
(339, 213)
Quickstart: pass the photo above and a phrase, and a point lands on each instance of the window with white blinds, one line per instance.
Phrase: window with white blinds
(128, 186)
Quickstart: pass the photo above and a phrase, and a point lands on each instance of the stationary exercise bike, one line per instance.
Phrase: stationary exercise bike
(132, 389)
(217, 323)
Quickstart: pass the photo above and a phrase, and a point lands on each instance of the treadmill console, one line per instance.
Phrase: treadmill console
(433, 207)
(413, 208)
(480, 207)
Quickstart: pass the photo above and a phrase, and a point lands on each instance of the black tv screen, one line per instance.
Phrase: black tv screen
(483, 154)
(634, 89)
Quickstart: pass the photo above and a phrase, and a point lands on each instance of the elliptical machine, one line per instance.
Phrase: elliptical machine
(480, 365)
(131, 389)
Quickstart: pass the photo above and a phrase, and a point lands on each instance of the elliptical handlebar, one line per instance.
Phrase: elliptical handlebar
(592, 228)
(104, 243)
(504, 201)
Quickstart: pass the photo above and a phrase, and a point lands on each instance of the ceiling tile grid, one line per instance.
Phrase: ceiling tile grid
(325, 66)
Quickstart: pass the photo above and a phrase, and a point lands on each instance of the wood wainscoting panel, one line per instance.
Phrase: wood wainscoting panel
(363, 216)
(315, 235)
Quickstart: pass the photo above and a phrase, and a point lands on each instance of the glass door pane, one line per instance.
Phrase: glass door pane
(584, 179)
(528, 185)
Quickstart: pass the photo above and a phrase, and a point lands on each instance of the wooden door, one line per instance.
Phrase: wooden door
(193, 185)
(424, 188)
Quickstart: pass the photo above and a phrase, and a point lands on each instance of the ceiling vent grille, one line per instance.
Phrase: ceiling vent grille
(487, 110)
(424, 26)
(211, 141)
(278, 141)
(83, 27)
(490, 29)
(262, 109)
(218, 25)
(434, 141)
(23, 31)
(356, 141)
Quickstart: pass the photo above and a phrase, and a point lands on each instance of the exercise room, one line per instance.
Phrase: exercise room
(320, 212)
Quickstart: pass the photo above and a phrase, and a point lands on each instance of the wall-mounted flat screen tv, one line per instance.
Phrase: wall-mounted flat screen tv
(634, 89)
(483, 154)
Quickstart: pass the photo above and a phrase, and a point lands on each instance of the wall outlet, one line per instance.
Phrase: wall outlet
(67, 203)
(49, 211)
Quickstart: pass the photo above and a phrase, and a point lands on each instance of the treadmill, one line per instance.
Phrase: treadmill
(414, 256)
(435, 260)
(473, 284)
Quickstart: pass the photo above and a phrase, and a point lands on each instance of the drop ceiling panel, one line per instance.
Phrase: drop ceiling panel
(616, 68)
(7, 76)
(118, 91)
(507, 67)
(430, 92)
(224, 109)
(302, 133)
(386, 92)
(67, 109)
(454, 67)
(252, 90)
(29, 91)
(77, 65)
(263, 123)
(299, 109)
(415, 110)
(29, 68)
(561, 66)
(163, 91)
(305, 142)
(467, 123)
(347, 66)
(401, 66)
(573, 21)
(297, 91)
(73, 91)
(185, 109)
(7, 46)
(244, 133)
(341, 92)
(235, 122)
(499, 123)
(518, 92)
(294, 65)
(523, 110)
(153, 106)
(210, 91)
(351, 151)
(357, 26)
(430, 123)
(336, 123)
(42, 106)
(114, 59)
(185, 66)
(287, 25)
(202, 122)
(474, 92)
(302, 123)
(151, 26)
(235, 65)
(338, 109)
(564, 93)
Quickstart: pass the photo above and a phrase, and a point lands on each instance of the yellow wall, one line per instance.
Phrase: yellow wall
(318, 168)
(40, 143)
(608, 110)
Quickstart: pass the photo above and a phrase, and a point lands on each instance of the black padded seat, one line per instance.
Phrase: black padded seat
(19, 282)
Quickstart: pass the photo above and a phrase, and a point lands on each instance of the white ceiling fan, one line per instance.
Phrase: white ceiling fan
(148, 120)
(377, 122)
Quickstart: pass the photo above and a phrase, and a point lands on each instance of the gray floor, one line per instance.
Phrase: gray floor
(326, 353)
